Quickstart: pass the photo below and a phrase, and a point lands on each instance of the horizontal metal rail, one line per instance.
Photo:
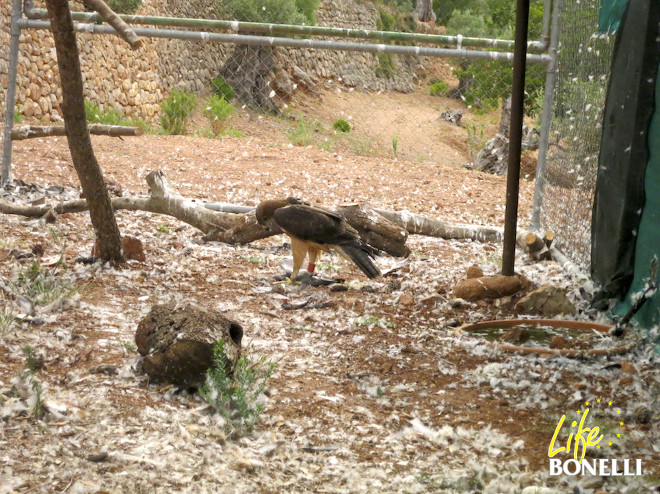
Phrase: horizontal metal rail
(296, 43)
(257, 27)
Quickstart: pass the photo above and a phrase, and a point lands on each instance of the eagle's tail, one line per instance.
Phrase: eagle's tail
(361, 254)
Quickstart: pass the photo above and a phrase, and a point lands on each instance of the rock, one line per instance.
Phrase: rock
(516, 336)
(628, 368)
(626, 381)
(642, 415)
(177, 342)
(548, 300)
(431, 300)
(453, 117)
(131, 246)
(474, 271)
(486, 287)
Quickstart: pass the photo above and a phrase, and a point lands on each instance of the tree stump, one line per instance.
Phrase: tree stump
(177, 342)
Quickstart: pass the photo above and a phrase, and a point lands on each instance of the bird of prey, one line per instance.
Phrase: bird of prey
(312, 230)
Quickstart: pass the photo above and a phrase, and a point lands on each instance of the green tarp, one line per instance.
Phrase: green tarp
(610, 15)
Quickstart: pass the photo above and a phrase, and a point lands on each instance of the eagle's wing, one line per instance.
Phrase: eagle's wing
(313, 224)
(324, 227)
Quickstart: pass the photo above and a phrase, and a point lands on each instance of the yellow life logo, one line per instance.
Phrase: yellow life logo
(580, 439)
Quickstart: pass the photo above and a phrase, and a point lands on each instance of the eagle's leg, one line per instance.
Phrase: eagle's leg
(313, 256)
(299, 251)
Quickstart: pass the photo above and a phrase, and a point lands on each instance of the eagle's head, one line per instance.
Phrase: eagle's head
(266, 209)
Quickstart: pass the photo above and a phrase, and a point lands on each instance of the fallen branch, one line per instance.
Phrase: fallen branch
(384, 230)
(123, 29)
(33, 131)
(421, 225)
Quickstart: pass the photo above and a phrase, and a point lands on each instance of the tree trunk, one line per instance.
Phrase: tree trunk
(80, 145)
(246, 70)
(424, 10)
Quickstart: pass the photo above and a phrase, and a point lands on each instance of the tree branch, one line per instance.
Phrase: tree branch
(123, 29)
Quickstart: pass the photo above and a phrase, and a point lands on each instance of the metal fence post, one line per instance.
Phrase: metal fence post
(11, 91)
(546, 115)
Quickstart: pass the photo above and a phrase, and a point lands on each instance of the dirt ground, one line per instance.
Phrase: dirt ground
(375, 392)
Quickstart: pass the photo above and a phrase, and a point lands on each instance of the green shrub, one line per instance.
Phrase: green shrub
(270, 11)
(439, 88)
(303, 132)
(124, 6)
(385, 68)
(176, 109)
(18, 114)
(235, 397)
(222, 88)
(341, 126)
(112, 116)
(219, 111)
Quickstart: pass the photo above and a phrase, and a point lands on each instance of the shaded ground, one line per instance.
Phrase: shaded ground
(374, 393)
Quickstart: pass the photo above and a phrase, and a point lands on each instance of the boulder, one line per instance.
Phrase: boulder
(547, 300)
(177, 342)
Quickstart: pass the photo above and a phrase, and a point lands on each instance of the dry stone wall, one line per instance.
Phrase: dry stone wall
(135, 82)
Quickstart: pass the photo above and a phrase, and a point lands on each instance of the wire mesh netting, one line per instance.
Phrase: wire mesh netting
(579, 99)
(407, 106)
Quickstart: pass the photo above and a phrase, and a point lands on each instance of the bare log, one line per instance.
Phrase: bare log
(33, 131)
(416, 224)
(534, 245)
(375, 229)
(123, 29)
(487, 287)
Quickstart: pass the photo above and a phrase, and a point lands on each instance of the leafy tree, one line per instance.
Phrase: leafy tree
(271, 11)
(484, 83)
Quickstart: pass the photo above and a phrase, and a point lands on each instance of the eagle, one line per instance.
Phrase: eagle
(313, 230)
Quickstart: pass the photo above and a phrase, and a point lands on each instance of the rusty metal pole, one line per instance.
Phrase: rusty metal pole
(515, 138)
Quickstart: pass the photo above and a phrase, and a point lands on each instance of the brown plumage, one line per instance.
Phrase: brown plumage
(313, 230)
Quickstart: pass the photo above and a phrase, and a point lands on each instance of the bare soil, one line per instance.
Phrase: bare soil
(373, 393)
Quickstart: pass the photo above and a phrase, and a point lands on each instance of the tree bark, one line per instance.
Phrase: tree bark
(424, 10)
(33, 131)
(80, 145)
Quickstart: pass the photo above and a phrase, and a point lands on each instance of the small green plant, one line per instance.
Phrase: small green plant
(18, 114)
(385, 68)
(395, 145)
(164, 229)
(373, 321)
(302, 133)
(128, 347)
(176, 110)
(33, 364)
(341, 126)
(362, 146)
(476, 140)
(439, 88)
(40, 286)
(124, 6)
(221, 87)
(235, 397)
(33, 361)
(111, 116)
(219, 111)
(7, 320)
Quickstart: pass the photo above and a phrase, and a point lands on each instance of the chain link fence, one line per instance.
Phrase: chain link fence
(584, 58)
(406, 106)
